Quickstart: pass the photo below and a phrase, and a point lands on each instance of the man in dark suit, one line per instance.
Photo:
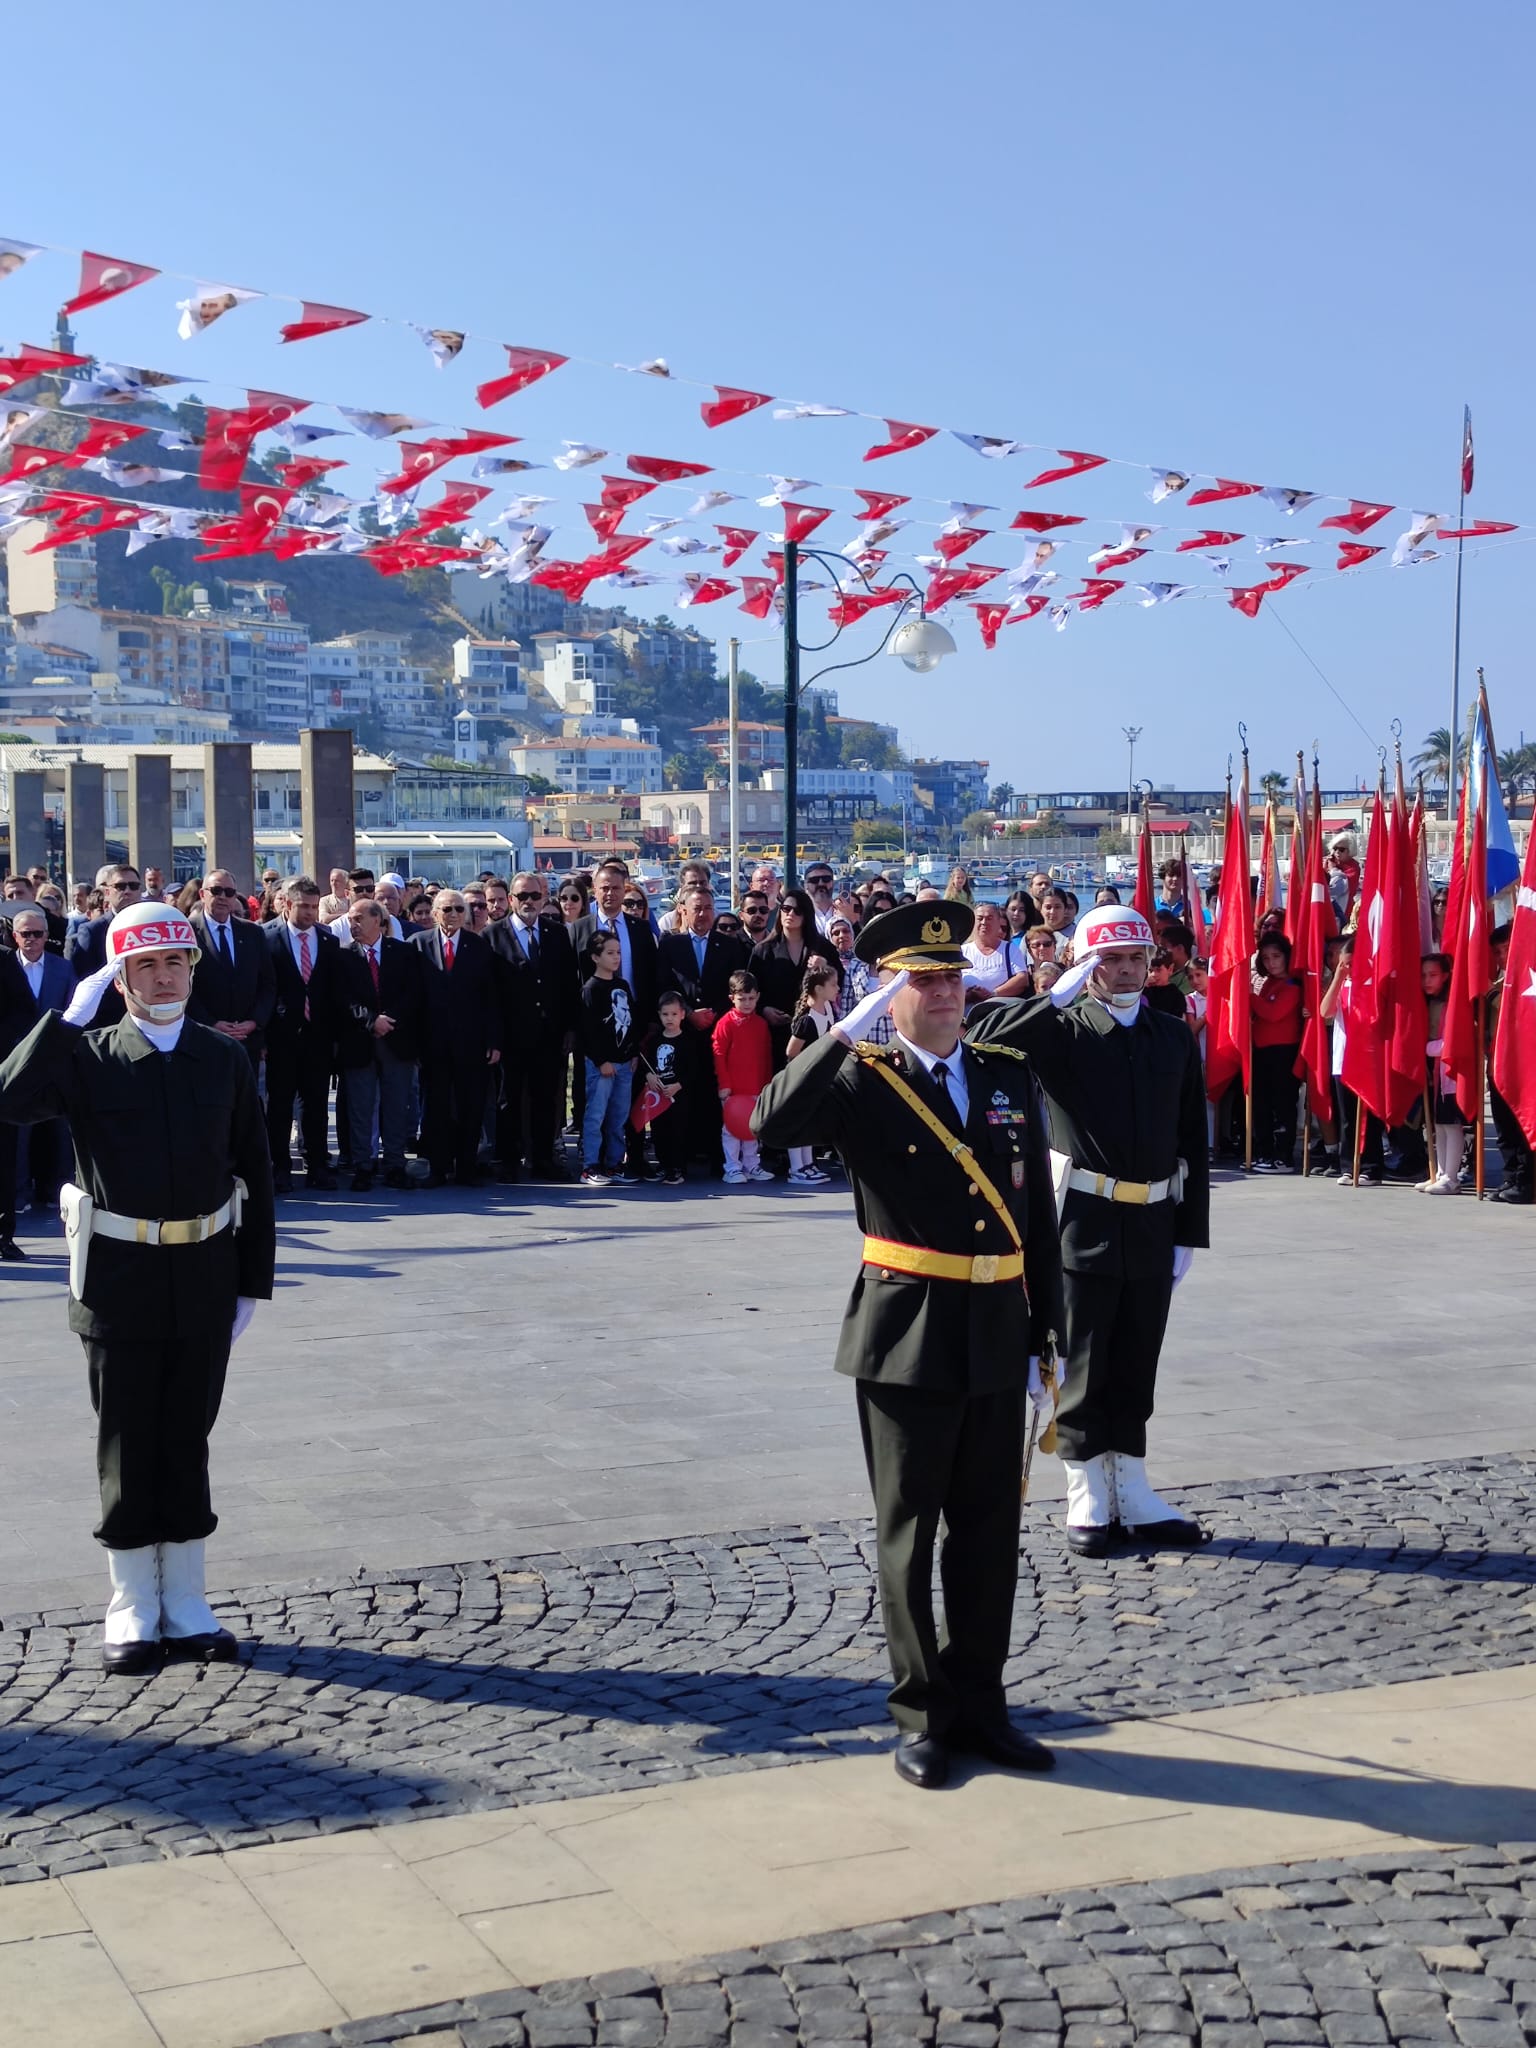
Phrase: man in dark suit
(86, 947)
(378, 1041)
(232, 990)
(540, 995)
(698, 962)
(463, 1040)
(20, 893)
(32, 982)
(302, 960)
(637, 965)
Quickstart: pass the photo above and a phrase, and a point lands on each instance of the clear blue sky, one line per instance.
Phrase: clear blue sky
(1283, 245)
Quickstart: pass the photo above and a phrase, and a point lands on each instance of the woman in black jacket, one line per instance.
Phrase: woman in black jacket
(779, 963)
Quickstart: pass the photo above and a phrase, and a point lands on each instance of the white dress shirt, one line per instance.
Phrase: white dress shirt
(221, 939)
(341, 929)
(954, 1066)
(33, 970)
(620, 926)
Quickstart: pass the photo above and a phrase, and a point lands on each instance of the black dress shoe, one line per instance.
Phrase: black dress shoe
(323, 1183)
(506, 1175)
(436, 1179)
(362, 1183)
(923, 1760)
(1174, 1535)
(218, 1648)
(11, 1252)
(1086, 1542)
(132, 1660)
(282, 1183)
(1005, 1746)
(397, 1177)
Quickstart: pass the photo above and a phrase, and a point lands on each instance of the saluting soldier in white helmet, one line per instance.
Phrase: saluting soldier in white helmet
(1126, 1096)
(171, 1243)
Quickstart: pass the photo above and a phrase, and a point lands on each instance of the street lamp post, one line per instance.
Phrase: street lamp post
(1133, 734)
(921, 642)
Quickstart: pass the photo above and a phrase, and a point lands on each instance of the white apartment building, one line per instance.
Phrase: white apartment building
(58, 576)
(400, 695)
(631, 766)
(577, 673)
(890, 788)
(487, 677)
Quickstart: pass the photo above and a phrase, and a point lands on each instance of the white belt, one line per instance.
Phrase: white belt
(184, 1230)
(1137, 1192)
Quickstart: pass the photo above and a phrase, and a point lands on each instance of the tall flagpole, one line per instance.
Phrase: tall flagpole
(1461, 520)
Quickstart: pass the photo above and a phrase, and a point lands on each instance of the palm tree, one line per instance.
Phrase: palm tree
(1517, 769)
(1273, 785)
(1434, 759)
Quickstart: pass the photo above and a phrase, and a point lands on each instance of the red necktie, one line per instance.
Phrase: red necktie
(373, 967)
(448, 956)
(306, 968)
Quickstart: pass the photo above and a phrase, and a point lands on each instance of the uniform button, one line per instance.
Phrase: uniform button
(885, 1272)
(982, 1224)
(911, 1148)
(974, 1189)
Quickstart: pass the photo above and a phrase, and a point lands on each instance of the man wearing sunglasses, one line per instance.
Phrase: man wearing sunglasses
(819, 880)
(234, 989)
(539, 988)
(86, 947)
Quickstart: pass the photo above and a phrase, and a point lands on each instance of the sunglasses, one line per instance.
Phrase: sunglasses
(634, 903)
(451, 909)
(535, 897)
(220, 891)
(134, 885)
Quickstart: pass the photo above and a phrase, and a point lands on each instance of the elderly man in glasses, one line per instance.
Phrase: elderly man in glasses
(539, 988)
(86, 947)
(234, 990)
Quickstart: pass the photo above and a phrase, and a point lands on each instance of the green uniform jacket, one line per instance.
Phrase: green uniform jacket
(158, 1135)
(948, 1336)
(1127, 1100)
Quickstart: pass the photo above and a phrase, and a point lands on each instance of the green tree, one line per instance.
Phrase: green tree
(1434, 757)
(1111, 841)
(978, 824)
(1273, 785)
(676, 771)
(1002, 797)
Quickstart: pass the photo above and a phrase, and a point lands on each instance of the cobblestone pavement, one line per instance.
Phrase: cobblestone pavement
(484, 1685)
(1379, 1948)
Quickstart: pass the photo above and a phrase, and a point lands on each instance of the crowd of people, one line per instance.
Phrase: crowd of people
(463, 1035)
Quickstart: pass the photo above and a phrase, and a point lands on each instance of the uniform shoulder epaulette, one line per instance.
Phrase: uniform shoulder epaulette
(866, 1049)
(991, 1045)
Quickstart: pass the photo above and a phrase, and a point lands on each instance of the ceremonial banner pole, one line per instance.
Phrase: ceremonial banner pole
(1479, 1015)
(1461, 520)
(733, 713)
(1248, 964)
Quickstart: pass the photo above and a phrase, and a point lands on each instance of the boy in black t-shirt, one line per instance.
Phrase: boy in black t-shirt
(608, 1033)
(680, 1057)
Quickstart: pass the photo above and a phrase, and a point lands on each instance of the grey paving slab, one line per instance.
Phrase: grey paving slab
(461, 1378)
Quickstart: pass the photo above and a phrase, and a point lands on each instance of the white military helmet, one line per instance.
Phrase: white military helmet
(1109, 925)
(149, 928)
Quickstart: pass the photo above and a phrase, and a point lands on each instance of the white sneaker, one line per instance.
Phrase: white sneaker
(814, 1177)
(734, 1177)
(800, 1176)
(761, 1173)
(1442, 1185)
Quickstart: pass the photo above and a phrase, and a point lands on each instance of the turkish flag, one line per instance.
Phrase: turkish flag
(704, 590)
(305, 469)
(1314, 924)
(1352, 554)
(947, 583)
(1208, 537)
(1096, 590)
(227, 438)
(1248, 601)
(29, 461)
(284, 546)
(526, 366)
(729, 403)
(1465, 938)
(1120, 559)
(264, 504)
(604, 520)
(1031, 608)
(317, 318)
(1044, 522)
(1075, 464)
(616, 553)
(103, 278)
(102, 436)
(662, 469)
(569, 578)
(622, 491)
(650, 1103)
(854, 605)
(1224, 487)
(949, 545)
(1478, 530)
(1405, 1021)
(1285, 573)
(1468, 466)
(758, 594)
(1368, 1024)
(456, 503)
(29, 362)
(801, 521)
(737, 541)
(880, 504)
(1514, 1044)
(989, 617)
(1268, 897)
(1360, 518)
(1145, 898)
(1228, 1008)
(420, 459)
(903, 435)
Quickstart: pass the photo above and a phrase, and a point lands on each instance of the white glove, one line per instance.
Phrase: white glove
(1071, 984)
(874, 1006)
(1183, 1259)
(245, 1308)
(86, 1000)
(1040, 1393)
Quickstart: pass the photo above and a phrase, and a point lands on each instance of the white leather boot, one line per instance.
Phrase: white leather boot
(1146, 1515)
(130, 1636)
(1091, 1507)
(190, 1626)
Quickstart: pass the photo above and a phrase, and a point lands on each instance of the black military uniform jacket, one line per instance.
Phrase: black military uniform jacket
(157, 1135)
(1126, 1100)
(949, 1336)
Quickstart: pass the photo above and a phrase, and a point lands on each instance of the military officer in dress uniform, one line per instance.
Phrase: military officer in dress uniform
(957, 1291)
(171, 1243)
(1126, 1095)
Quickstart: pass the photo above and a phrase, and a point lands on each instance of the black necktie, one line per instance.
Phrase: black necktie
(225, 936)
(949, 1108)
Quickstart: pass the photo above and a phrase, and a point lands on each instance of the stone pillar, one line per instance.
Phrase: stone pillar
(229, 809)
(325, 775)
(149, 813)
(29, 830)
(85, 819)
